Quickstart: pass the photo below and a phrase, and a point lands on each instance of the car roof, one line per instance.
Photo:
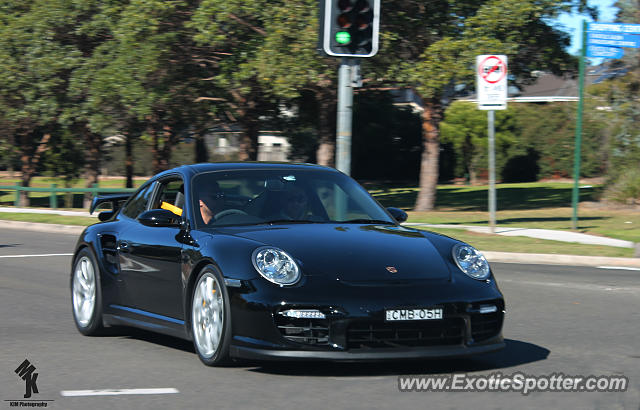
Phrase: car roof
(194, 169)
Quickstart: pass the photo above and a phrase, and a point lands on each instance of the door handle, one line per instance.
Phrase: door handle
(123, 246)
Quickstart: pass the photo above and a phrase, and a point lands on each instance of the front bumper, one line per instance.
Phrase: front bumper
(252, 353)
(354, 327)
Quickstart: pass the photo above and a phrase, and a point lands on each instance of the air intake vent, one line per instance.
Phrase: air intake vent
(406, 334)
(307, 331)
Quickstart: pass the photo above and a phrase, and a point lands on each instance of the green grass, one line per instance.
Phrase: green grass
(618, 224)
(543, 205)
(41, 199)
(532, 195)
(47, 218)
(487, 242)
(78, 183)
(531, 205)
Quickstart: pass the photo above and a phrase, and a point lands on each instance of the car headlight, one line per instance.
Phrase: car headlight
(471, 262)
(275, 265)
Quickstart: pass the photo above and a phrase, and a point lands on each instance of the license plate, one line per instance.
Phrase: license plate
(413, 314)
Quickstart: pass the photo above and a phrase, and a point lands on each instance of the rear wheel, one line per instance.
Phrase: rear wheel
(211, 318)
(86, 294)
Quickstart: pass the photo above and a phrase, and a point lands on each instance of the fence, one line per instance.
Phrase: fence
(54, 191)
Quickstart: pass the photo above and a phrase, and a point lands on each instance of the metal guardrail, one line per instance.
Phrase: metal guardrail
(54, 191)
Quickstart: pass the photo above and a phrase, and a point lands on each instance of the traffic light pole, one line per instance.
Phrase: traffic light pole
(345, 108)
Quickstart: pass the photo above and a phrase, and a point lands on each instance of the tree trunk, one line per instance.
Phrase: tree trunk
(473, 176)
(92, 163)
(128, 161)
(249, 140)
(431, 118)
(30, 159)
(168, 141)
(155, 164)
(201, 152)
(25, 180)
(325, 154)
(249, 112)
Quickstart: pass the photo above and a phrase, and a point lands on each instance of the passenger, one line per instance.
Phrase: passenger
(211, 203)
(294, 204)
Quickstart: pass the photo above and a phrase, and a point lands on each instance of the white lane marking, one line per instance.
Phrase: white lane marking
(117, 392)
(36, 256)
(618, 268)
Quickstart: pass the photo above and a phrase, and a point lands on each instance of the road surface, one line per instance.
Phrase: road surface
(575, 321)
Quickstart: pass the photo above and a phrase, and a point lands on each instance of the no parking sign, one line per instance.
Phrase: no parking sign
(491, 82)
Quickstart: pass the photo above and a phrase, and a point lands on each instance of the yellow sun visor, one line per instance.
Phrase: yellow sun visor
(172, 208)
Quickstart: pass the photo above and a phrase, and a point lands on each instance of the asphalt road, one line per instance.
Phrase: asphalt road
(575, 321)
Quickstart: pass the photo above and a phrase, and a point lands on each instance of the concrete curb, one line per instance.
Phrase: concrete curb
(500, 257)
(568, 260)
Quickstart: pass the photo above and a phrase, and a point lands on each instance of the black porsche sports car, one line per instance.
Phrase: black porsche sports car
(280, 261)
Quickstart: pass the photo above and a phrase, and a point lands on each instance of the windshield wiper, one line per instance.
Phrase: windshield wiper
(366, 221)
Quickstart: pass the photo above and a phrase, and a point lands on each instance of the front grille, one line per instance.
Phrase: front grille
(485, 325)
(308, 331)
(417, 333)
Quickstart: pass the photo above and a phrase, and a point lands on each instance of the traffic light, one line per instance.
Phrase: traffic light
(349, 28)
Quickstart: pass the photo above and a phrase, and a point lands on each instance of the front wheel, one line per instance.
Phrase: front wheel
(86, 294)
(211, 318)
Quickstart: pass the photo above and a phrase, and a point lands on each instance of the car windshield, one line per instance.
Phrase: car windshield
(263, 196)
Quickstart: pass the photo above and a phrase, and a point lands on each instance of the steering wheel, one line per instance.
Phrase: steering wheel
(227, 212)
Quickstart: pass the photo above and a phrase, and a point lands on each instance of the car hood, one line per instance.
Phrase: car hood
(353, 252)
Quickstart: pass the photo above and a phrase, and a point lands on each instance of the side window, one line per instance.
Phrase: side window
(337, 203)
(138, 204)
(171, 196)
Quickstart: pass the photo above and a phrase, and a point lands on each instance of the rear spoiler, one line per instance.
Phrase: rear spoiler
(115, 199)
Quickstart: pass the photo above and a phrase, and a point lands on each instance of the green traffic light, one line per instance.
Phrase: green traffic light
(343, 37)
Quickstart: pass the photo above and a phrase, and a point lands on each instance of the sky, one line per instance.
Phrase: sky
(573, 23)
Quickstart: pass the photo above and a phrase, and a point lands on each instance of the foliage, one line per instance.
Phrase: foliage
(466, 128)
(159, 72)
(386, 139)
(65, 157)
(626, 188)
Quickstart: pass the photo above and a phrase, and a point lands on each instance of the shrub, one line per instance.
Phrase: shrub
(626, 189)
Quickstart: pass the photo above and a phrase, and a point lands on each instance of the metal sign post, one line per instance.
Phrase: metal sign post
(491, 89)
(575, 196)
(492, 171)
(603, 41)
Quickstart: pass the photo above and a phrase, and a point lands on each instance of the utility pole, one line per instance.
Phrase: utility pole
(345, 110)
(348, 29)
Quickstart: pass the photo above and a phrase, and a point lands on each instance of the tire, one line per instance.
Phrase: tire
(86, 294)
(211, 317)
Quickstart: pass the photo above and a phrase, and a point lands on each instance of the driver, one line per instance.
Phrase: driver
(294, 204)
(211, 203)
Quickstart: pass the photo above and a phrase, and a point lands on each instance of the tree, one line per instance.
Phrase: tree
(36, 61)
(466, 128)
(619, 110)
(438, 47)
(144, 77)
(265, 57)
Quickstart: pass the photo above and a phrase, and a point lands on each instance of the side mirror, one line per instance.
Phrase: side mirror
(160, 217)
(105, 215)
(398, 214)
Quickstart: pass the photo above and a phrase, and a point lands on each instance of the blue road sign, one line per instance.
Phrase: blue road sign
(613, 39)
(604, 51)
(615, 27)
